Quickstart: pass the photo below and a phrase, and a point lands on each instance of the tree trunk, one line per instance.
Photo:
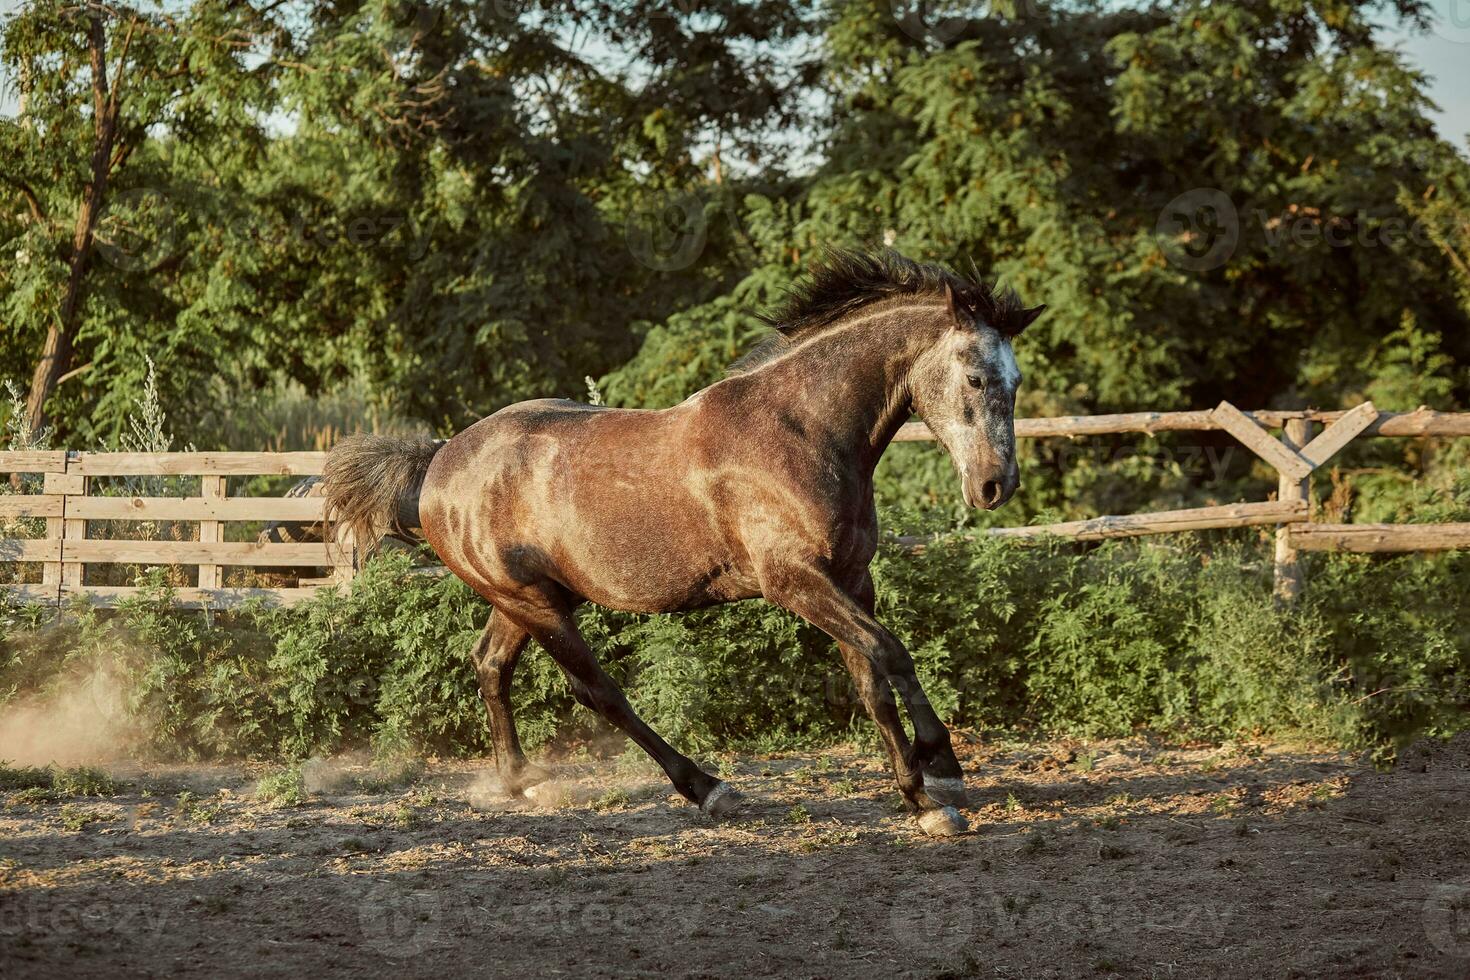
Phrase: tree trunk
(55, 358)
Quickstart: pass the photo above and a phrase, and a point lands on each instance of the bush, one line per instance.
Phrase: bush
(1179, 637)
(282, 788)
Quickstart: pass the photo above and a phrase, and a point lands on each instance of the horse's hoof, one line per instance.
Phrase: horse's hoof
(721, 802)
(948, 791)
(548, 794)
(943, 822)
(525, 782)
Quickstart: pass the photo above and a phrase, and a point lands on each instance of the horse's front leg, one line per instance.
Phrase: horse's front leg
(928, 773)
(876, 695)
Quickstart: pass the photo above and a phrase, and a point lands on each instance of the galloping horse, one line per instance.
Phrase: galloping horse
(760, 485)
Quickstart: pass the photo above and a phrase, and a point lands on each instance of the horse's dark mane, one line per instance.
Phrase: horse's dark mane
(845, 280)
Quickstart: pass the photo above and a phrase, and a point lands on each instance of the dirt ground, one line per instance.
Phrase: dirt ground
(1110, 859)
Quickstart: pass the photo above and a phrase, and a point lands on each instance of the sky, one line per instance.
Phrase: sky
(1443, 54)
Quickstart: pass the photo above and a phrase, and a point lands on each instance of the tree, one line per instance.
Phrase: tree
(499, 162)
(1214, 201)
(109, 92)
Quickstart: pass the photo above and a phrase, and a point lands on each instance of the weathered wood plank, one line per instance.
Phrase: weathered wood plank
(1420, 422)
(211, 489)
(58, 484)
(30, 549)
(196, 464)
(1380, 538)
(73, 529)
(31, 593)
(1338, 434)
(1087, 425)
(193, 598)
(30, 505)
(1285, 461)
(197, 508)
(196, 553)
(33, 461)
(1138, 525)
(1287, 573)
(51, 571)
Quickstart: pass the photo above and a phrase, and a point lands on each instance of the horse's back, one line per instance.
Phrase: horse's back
(614, 504)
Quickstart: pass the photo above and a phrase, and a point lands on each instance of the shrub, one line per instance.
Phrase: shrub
(284, 787)
(1174, 636)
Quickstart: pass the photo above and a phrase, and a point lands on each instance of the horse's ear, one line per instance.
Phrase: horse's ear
(957, 308)
(1024, 319)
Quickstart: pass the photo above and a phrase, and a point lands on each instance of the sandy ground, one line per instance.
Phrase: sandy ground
(1111, 859)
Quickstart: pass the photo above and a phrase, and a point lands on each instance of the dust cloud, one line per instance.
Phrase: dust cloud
(80, 722)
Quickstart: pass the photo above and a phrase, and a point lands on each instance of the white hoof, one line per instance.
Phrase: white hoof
(943, 822)
(947, 791)
(550, 794)
(721, 802)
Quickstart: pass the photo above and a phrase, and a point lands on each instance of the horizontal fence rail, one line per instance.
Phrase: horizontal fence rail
(1378, 538)
(79, 517)
(1418, 423)
(1139, 525)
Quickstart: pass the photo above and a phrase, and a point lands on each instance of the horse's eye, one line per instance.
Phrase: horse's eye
(976, 380)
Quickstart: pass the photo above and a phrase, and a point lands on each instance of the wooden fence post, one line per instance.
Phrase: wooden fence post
(211, 487)
(68, 485)
(74, 529)
(55, 528)
(1297, 434)
(343, 554)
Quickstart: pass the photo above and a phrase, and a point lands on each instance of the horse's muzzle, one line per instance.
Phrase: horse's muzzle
(991, 487)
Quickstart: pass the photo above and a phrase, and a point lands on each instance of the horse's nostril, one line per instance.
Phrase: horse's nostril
(991, 492)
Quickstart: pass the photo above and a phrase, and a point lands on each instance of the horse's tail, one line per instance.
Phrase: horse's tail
(372, 486)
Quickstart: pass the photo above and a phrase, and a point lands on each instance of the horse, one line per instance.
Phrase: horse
(757, 486)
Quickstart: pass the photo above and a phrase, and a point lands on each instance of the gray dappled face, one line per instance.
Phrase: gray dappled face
(965, 389)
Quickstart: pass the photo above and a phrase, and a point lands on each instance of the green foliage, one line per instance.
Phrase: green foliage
(444, 207)
(1401, 638)
(281, 788)
(1173, 637)
(76, 818)
(23, 777)
(437, 201)
(83, 781)
(43, 784)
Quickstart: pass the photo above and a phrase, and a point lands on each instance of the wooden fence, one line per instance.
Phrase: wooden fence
(68, 503)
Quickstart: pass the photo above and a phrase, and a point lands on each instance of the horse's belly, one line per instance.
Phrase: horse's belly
(643, 570)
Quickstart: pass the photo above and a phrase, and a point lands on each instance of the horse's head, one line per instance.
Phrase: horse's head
(965, 388)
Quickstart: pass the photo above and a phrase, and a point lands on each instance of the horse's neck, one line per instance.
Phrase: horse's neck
(849, 385)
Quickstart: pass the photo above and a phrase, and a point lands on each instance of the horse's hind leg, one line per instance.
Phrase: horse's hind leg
(495, 655)
(548, 617)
